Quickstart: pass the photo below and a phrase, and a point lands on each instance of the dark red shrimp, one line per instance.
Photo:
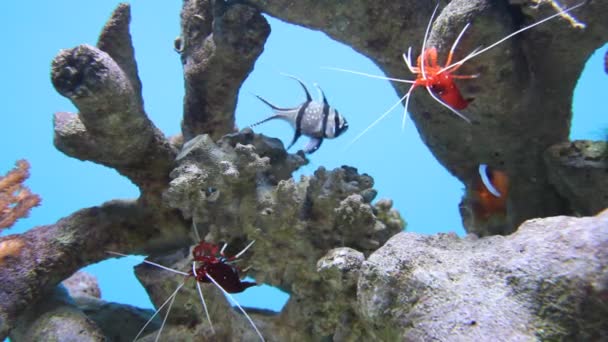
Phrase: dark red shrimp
(215, 264)
(209, 265)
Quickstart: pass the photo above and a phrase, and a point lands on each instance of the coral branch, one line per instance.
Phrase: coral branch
(111, 128)
(57, 251)
(218, 46)
(56, 318)
(115, 39)
(16, 199)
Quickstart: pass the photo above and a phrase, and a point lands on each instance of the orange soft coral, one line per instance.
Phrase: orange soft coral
(16, 199)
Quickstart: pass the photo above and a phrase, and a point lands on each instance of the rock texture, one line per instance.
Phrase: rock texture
(547, 281)
(579, 171)
(82, 284)
(317, 238)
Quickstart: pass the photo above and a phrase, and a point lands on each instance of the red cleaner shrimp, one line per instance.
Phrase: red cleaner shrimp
(209, 265)
(439, 80)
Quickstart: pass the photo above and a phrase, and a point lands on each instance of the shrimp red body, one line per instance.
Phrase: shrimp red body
(440, 82)
(214, 263)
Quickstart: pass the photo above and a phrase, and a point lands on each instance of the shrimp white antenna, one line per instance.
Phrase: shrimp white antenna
(244, 250)
(172, 296)
(237, 305)
(195, 229)
(407, 102)
(388, 111)
(223, 248)
(369, 75)
(152, 263)
(160, 330)
(472, 55)
(408, 60)
(447, 106)
(456, 42)
(200, 293)
(426, 36)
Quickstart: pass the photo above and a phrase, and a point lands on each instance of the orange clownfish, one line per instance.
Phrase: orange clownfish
(490, 191)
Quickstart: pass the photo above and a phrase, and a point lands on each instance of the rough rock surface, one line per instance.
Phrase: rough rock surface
(238, 191)
(56, 318)
(547, 281)
(579, 171)
(82, 284)
(118, 322)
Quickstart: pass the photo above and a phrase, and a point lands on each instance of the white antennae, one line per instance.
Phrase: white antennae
(244, 249)
(458, 40)
(158, 310)
(200, 293)
(380, 118)
(447, 106)
(195, 229)
(152, 263)
(407, 102)
(426, 36)
(511, 35)
(223, 248)
(369, 75)
(408, 60)
(160, 330)
(238, 306)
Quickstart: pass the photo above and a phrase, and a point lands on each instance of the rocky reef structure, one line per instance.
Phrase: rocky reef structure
(322, 239)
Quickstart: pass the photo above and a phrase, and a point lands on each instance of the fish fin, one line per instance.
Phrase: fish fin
(313, 145)
(487, 182)
(279, 109)
(322, 95)
(296, 136)
(276, 116)
(308, 97)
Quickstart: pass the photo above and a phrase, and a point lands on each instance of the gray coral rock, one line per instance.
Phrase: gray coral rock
(579, 172)
(240, 190)
(238, 193)
(82, 284)
(547, 281)
(56, 318)
(119, 322)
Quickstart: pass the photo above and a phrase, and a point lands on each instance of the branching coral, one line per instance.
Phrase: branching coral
(312, 236)
(16, 199)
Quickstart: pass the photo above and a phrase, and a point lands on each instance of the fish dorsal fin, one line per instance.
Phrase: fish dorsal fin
(308, 97)
(322, 94)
